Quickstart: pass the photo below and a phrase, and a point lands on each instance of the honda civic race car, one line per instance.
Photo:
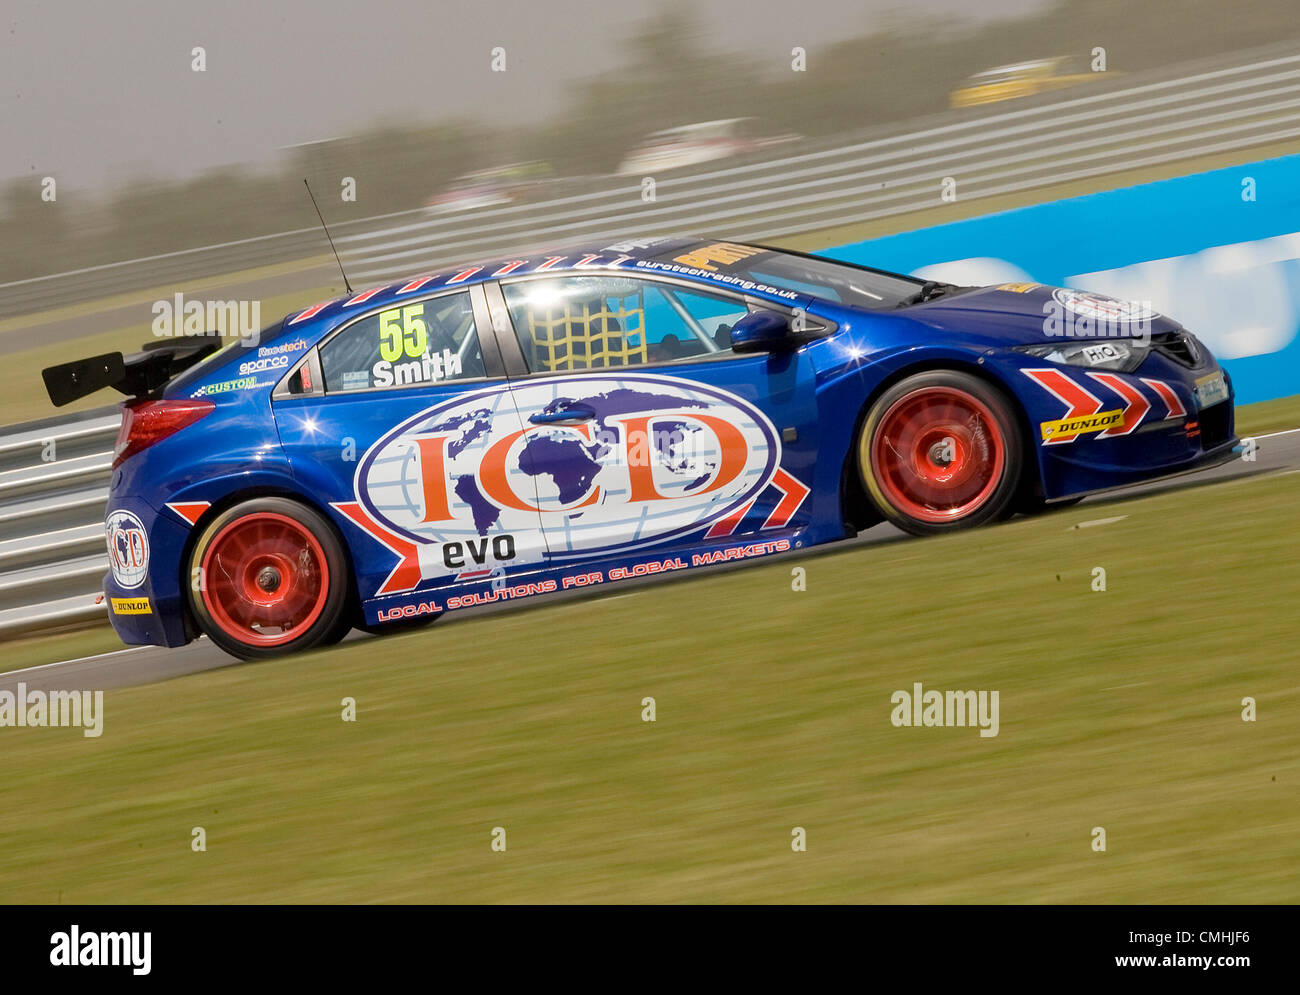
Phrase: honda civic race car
(580, 417)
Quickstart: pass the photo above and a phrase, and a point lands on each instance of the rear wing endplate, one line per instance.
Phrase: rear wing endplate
(137, 375)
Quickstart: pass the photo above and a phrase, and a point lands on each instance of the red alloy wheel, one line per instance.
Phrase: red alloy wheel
(938, 454)
(266, 579)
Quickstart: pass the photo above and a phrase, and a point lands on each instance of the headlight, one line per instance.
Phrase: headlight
(1124, 355)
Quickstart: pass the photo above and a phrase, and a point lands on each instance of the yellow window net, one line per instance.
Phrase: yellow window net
(589, 334)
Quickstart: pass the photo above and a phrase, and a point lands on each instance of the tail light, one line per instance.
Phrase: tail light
(147, 422)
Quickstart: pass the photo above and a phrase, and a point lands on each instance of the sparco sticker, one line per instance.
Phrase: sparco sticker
(260, 365)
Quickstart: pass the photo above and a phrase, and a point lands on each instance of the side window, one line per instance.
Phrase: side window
(406, 345)
(608, 322)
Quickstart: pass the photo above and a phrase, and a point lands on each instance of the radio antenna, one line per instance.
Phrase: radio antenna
(327, 234)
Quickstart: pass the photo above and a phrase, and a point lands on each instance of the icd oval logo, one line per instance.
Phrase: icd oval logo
(128, 548)
(598, 462)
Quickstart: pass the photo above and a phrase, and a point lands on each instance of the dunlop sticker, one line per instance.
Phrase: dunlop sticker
(1082, 424)
(131, 606)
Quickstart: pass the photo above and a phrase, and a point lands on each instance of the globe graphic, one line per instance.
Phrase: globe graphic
(577, 473)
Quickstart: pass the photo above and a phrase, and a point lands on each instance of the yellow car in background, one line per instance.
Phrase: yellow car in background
(1024, 79)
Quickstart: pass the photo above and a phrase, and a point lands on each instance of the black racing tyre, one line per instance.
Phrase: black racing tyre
(272, 579)
(940, 451)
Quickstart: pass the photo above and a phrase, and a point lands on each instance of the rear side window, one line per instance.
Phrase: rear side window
(406, 345)
(612, 322)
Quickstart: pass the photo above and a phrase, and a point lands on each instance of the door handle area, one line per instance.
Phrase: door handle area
(574, 412)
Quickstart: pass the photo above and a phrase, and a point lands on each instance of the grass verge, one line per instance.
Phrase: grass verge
(1268, 416)
(1118, 709)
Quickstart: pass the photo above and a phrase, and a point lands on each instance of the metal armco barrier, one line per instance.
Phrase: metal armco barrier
(1068, 138)
(53, 487)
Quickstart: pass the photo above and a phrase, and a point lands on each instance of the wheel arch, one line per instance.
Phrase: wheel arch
(248, 492)
(854, 498)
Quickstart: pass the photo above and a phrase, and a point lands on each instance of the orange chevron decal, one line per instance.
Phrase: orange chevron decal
(729, 524)
(362, 297)
(795, 493)
(417, 283)
(406, 575)
(1175, 406)
(1136, 408)
(312, 311)
(191, 511)
(1080, 402)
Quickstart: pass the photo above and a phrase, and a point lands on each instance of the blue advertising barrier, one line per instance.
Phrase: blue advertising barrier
(1218, 252)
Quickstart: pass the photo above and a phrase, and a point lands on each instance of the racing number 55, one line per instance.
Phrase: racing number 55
(403, 331)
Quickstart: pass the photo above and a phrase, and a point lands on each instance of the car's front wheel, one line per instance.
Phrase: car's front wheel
(941, 450)
(268, 577)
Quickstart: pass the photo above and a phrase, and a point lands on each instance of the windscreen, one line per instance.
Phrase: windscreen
(841, 283)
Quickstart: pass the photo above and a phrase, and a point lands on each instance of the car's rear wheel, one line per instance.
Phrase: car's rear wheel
(269, 578)
(939, 451)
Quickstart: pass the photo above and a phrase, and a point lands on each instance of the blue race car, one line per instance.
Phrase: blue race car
(595, 414)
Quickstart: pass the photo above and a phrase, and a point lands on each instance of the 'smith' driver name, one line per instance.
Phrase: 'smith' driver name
(426, 369)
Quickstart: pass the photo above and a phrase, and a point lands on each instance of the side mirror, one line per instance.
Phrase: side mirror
(761, 331)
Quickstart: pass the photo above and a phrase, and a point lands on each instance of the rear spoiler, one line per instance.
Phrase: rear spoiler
(137, 375)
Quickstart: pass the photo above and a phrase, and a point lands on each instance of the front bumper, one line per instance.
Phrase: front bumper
(1161, 428)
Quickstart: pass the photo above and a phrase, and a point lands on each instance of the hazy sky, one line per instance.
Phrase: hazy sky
(96, 91)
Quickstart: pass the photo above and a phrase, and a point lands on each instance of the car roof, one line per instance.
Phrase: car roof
(671, 256)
